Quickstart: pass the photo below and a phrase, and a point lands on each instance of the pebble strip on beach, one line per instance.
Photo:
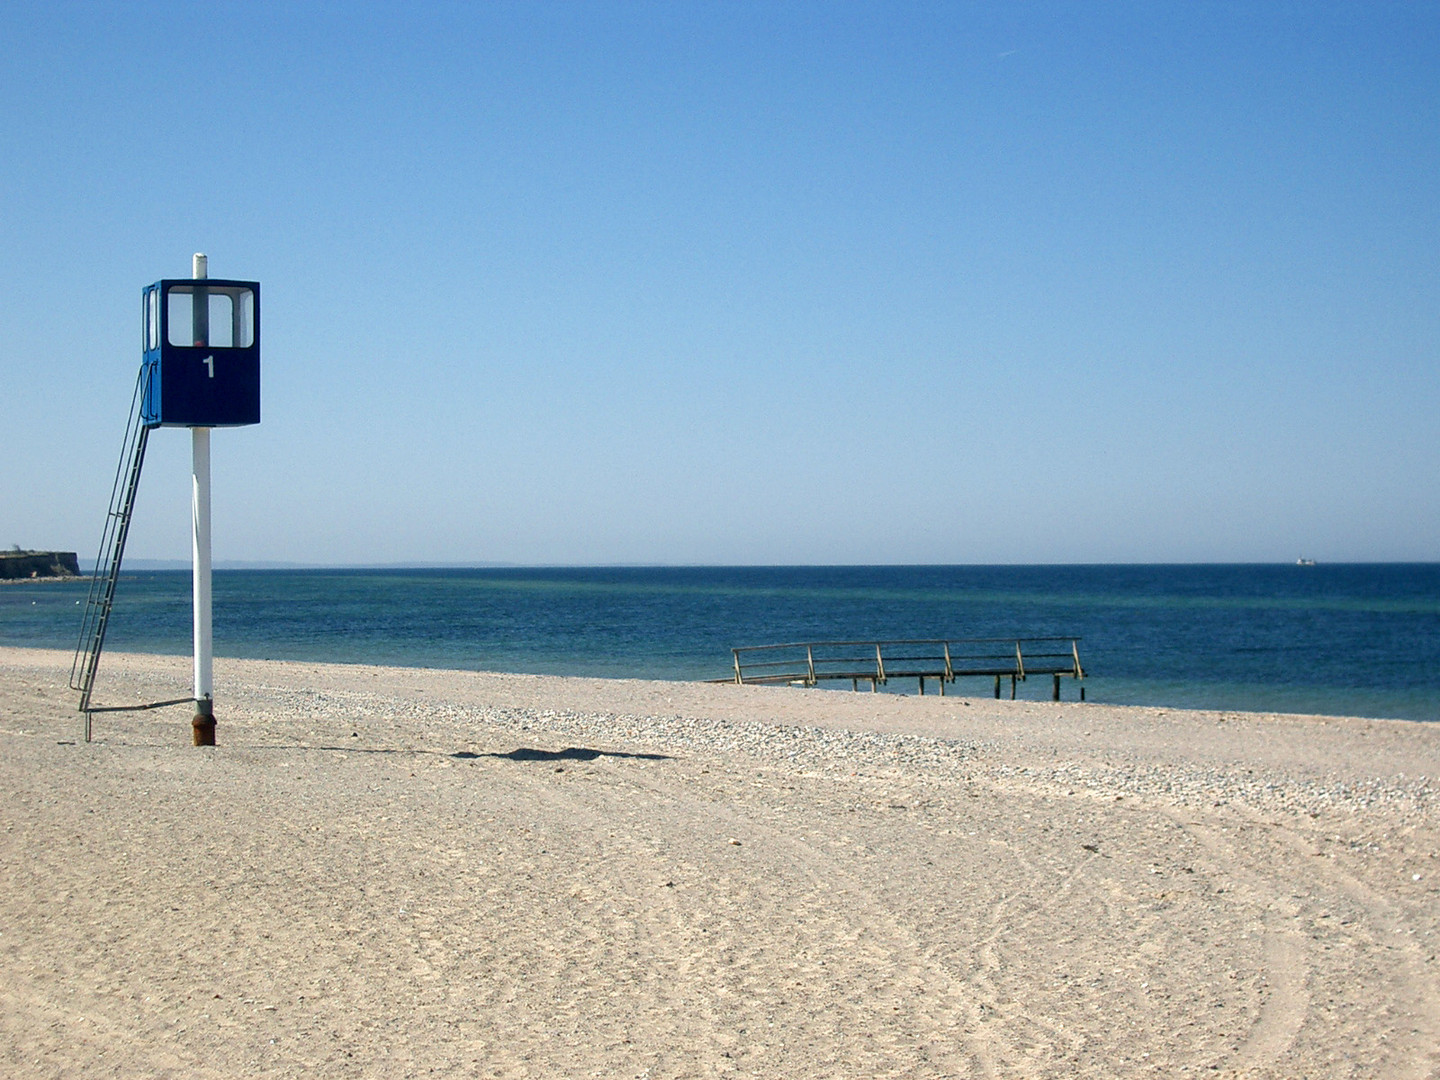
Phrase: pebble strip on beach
(838, 750)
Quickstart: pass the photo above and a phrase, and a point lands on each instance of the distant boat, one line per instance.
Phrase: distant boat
(1302, 561)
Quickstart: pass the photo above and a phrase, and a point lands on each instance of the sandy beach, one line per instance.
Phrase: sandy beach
(387, 872)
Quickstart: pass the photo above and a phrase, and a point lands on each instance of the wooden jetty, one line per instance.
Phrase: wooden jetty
(809, 663)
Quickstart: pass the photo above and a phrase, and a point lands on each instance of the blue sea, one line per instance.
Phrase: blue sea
(1361, 639)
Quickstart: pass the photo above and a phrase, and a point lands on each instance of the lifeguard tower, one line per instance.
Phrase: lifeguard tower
(200, 369)
(202, 354)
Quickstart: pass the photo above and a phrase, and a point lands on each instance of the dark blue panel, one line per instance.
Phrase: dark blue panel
(209, 387)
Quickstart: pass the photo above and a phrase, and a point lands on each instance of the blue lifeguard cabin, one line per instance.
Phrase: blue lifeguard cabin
(201, 363)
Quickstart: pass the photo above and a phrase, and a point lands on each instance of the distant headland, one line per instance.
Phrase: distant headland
(16, 564)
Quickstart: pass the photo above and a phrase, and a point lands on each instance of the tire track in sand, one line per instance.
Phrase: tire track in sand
(893, 1006)
(1286, 1007)
(1416, 994)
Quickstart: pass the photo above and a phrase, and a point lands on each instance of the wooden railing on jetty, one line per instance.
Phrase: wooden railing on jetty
(808, 663)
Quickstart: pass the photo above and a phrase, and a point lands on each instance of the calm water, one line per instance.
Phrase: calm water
(1356, 639)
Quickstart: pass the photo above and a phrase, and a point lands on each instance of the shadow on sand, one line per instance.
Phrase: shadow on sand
(520, 753)
(570, 753)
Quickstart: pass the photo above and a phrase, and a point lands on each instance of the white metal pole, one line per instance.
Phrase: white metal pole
(200, 550)
(204, 722)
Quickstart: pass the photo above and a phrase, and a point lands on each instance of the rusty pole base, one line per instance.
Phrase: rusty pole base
(202, 727)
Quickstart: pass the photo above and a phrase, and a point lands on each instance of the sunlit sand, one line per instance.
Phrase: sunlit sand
(393, 872)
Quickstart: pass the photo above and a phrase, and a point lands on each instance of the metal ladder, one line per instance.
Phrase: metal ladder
(112, 549)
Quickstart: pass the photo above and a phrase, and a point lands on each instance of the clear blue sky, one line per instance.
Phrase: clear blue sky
(740, 283)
